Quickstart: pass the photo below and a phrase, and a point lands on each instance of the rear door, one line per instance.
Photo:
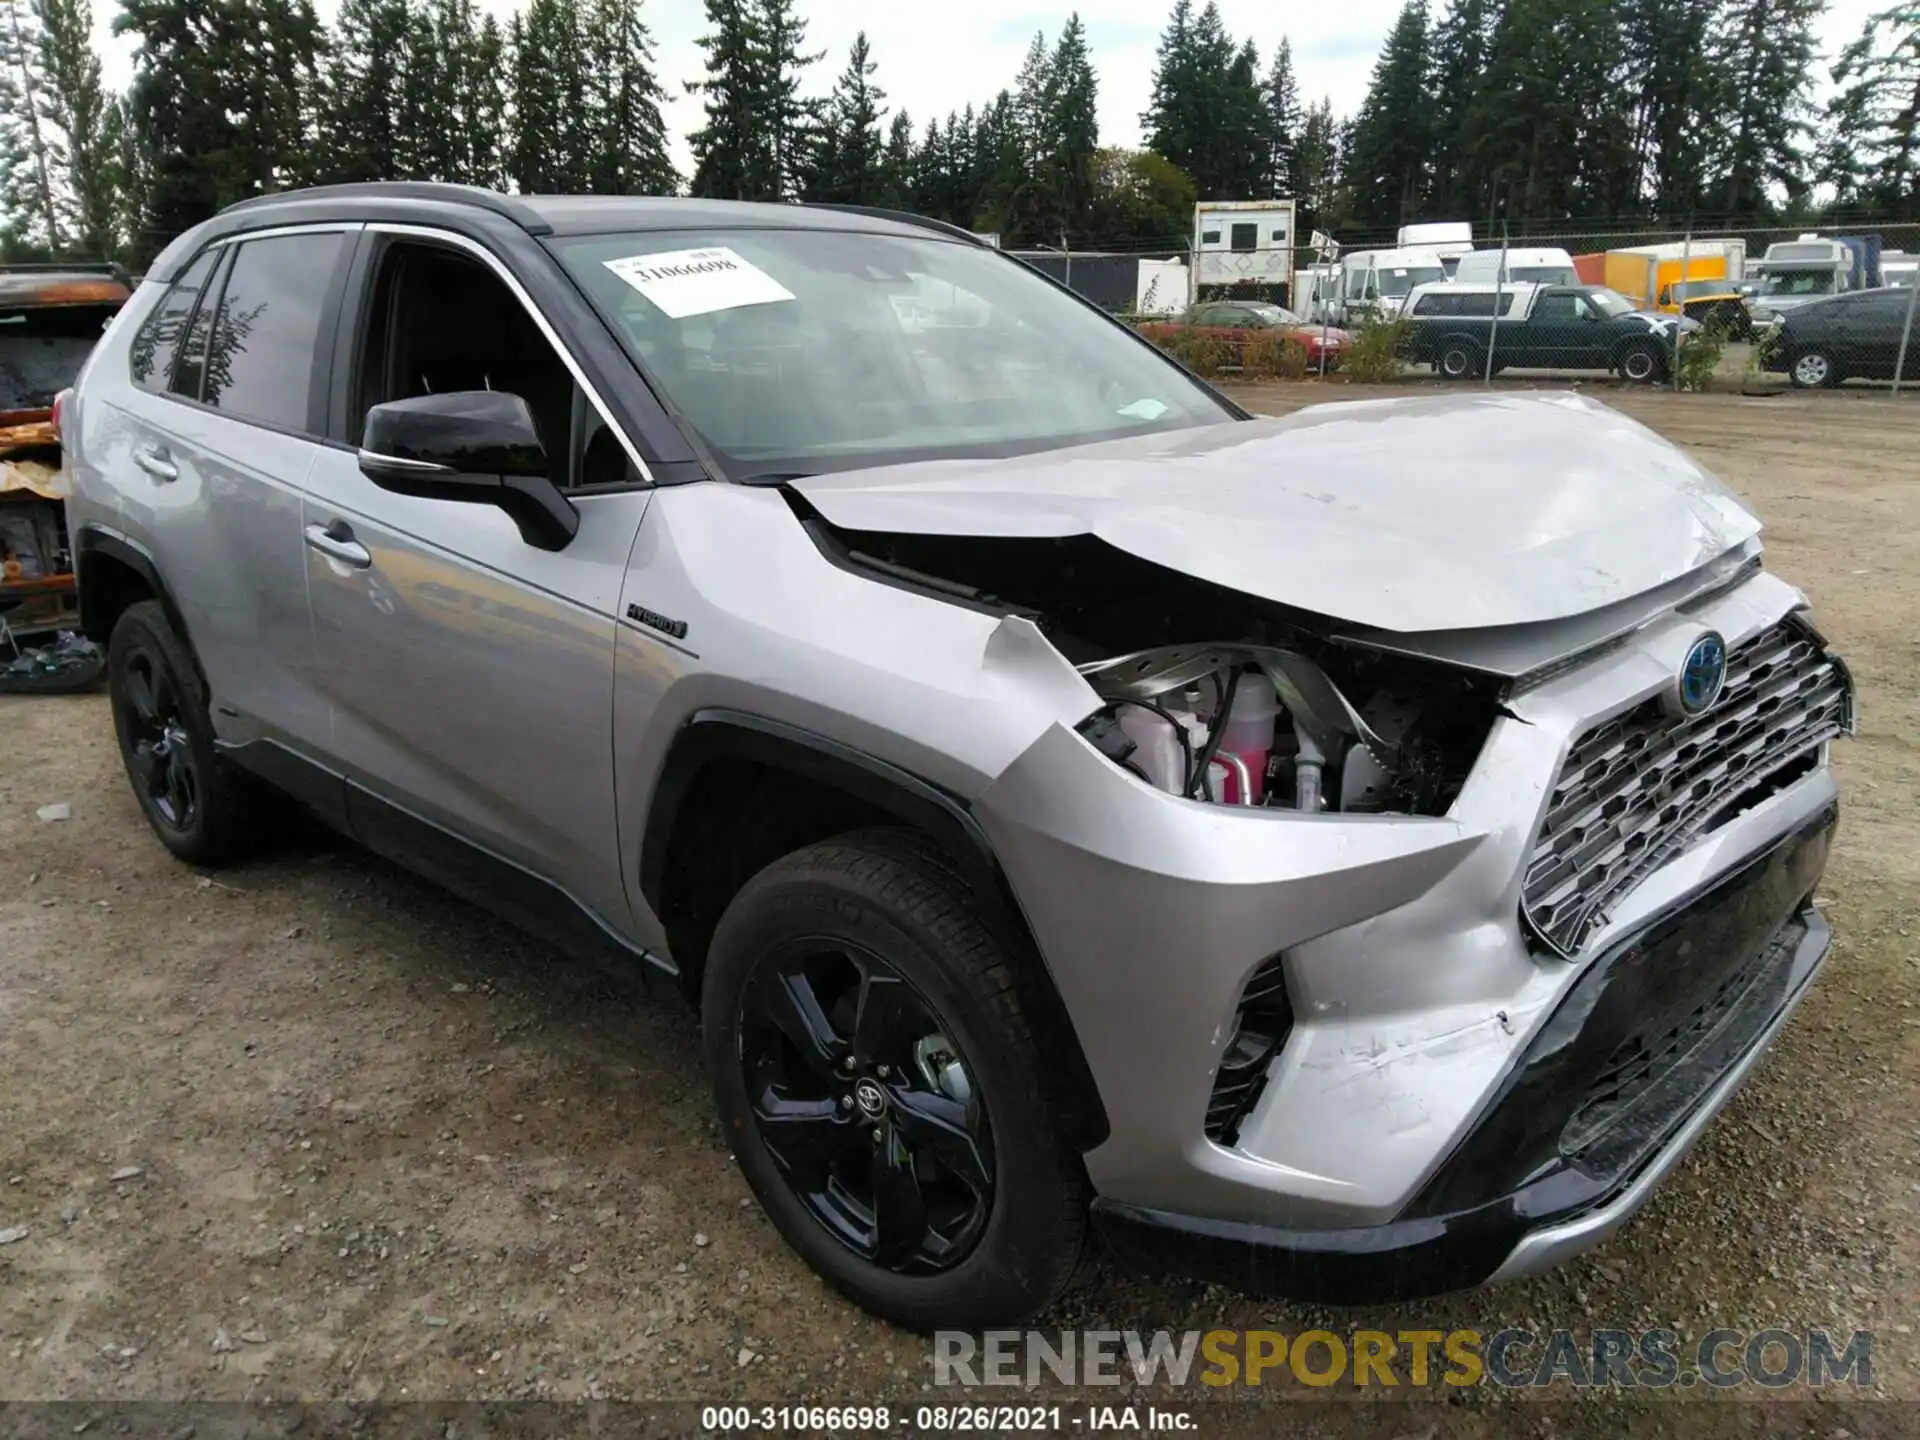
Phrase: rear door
(230, 378)
(1877, 320)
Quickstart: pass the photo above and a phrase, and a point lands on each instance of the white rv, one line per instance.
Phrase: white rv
(1377, 282)
(1242, 243)
(1539, 265)
(1446, 240)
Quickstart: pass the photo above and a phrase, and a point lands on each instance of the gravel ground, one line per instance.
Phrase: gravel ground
(311, 1128)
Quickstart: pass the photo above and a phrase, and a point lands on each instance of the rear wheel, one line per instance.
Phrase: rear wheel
(882, 1089)
(1460, 360)
(1814, 369)
(200, 805)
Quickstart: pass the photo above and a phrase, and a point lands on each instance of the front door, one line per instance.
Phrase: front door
(470, 673)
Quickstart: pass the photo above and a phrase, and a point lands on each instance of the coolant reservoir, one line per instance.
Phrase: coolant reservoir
(1248, 733)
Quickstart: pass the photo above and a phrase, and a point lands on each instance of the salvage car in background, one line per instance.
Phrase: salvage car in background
(50, 318)
(1847, 337)
(1350, 855)
(1238, 323)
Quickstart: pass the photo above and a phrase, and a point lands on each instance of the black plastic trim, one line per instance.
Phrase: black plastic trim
(91, 541)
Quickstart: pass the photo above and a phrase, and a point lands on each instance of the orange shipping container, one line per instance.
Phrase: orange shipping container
(1592, 269)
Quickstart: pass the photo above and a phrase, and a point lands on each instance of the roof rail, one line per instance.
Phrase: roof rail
(904, 217)
(511, 206)
(64, 267)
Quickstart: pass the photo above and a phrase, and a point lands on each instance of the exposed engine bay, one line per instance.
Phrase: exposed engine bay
(1211, 694)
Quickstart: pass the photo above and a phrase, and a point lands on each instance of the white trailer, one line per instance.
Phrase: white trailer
(1445, 240)
(1243, 244)
(1161, 287)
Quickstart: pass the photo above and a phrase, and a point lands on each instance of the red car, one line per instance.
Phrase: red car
(1237, 321)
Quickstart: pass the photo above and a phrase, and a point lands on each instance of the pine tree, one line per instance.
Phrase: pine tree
(550, 113)
(1675, 93)
(1247, 154)
(627, 153)
(848, 163)
(1458, 57)
(1392, 134)
(1872, 151)
(33, 160)
(898, 165)
(733, 154)
(1316, 166)
(1763, 50)
(792, 122)
(364, 126)
(482, 106)
(1283, 122)
(1072, 135)
(219, 108)
(1172, 121)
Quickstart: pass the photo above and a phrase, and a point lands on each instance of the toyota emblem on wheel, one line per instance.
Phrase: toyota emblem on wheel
(871, 1099)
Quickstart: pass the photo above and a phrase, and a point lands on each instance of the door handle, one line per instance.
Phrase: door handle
(335, 540)
(156, 462)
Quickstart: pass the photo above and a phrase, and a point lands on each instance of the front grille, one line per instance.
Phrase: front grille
(1638, 789)
(1260, 1029)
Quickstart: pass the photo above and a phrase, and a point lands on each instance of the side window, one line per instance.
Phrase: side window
(1554, 307)
(1209, 237)
(190, 366)
(269, 328)
(158, 341)
(442, 321)
(1582, 310)
(1438, 305)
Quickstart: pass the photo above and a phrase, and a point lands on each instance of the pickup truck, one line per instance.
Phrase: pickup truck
(1545, 327)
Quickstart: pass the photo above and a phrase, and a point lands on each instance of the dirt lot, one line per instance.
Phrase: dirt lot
(310, 1128)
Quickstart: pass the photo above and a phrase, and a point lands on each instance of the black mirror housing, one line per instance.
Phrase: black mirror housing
(472, 446)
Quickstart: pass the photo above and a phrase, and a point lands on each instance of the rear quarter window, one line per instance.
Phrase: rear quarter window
(157, 342)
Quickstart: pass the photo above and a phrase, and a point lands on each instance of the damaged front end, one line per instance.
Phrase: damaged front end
(1209, 694)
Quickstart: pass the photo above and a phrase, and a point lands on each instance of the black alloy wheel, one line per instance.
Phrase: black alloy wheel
(159, 750)
(861, 1098)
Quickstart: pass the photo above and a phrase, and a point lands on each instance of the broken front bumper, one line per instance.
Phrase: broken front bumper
(1438, 1101)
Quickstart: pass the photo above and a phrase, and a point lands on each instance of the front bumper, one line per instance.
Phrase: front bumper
(1763, 941)
(1416, 995)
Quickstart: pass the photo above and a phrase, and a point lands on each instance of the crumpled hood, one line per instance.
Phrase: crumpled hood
(1405, 515)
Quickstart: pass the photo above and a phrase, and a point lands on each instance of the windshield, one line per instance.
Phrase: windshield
(1694, 289)
(1275, 315)
(798, 351)
(1610, 303)
(1797, 282)
(1400, 280)
(42, 350)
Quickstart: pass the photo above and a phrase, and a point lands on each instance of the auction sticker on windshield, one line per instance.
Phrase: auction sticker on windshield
(698, 282)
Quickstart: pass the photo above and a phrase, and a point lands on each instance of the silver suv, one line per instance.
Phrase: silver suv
(1348, 856)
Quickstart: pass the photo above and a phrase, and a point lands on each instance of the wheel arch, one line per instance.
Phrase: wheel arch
(736, 791)
(114, 573)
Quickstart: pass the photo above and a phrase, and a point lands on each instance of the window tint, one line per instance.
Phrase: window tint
(264, 349)
(191, 364)
(158, 340)
(1554, 307)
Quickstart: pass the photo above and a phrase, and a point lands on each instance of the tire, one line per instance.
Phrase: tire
(203, 808)
(1642, 363)
(1460, 360)
(832, 923)
(1814, 368)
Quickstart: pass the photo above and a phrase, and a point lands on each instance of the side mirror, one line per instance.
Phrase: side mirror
(477, 446)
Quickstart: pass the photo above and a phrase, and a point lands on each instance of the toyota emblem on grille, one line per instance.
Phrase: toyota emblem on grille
(1703, 675)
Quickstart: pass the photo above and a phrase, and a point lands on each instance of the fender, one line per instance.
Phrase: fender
(721, 735)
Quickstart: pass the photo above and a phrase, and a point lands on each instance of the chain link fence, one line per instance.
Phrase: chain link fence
(1754, 310)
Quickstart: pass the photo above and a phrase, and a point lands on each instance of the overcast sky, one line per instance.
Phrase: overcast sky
(935, 61)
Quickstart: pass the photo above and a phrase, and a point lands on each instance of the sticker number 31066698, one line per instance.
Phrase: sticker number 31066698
(698, 282)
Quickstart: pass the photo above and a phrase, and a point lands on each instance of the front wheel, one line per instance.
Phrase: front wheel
(1642, 364)
(1815, 369)
(882, 1089)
